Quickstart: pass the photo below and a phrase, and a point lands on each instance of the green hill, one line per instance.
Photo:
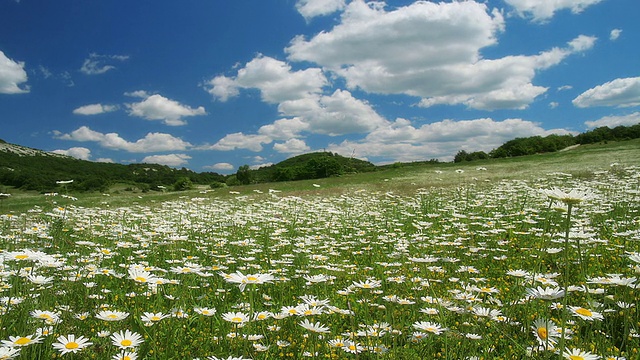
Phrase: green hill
(31, 169)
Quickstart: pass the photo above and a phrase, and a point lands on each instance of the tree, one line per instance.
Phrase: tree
(183, 183)
(244, 175)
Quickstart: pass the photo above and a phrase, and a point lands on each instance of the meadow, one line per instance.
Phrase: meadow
(534, 257)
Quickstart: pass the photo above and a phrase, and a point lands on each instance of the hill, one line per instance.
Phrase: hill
(31, 169)
(311, 166)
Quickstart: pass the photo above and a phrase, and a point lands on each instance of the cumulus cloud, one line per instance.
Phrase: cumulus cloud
(401, 141)
(543, 10)
(275, 79)
(169, 159)
(292, 146)
(613, 121)
(312, 8)
(623, 92)
(81, 153)
(94, 109)
(99, 64)
(239, 140)
(105, 160)
(223, 166)
(432, 51)
(300, 99)
(158, 107)
(150, 143)
(615, 34)
(12, 74)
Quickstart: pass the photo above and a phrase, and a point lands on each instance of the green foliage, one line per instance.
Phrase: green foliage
(182, 184)
(532, 145)
(244, 175)
(311, 166)
(40, 172)
(217, 185)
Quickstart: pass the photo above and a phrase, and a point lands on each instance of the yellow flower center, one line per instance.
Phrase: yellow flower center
(21, 256)
(576, 357)
(261, 316)
(126, 342)
(140, 279)
(155, 318)
(542, 333)
(584, 312)
(71, 345)
(112, 316)
(352, 347)
(252, 278)
(23, 341)
(236, 319)
(366, 286)
(45, 316)
(126, 357)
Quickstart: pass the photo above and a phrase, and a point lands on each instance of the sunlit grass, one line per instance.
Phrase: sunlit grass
(481, 268)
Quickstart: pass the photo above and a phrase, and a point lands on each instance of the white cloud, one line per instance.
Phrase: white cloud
(223, 166)
(312, 8)
(554, 104)
(299, 98)
(105, 160)
(291, 146)
(239, 141)
(94, 109)
(623, 92)
(258, 166)
(337, 114)
(615, 34)
(432, 51)
(401, 141)
(613, 121)
(81, 153)
(169, 159)
(542, 10)
(158, 107)
(274, 78)
(12, 74)
(150, 143)
(99, 64)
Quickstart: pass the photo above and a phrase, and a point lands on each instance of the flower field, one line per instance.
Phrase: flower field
(544, 268)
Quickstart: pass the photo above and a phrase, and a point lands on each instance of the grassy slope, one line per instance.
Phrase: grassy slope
(580, 161)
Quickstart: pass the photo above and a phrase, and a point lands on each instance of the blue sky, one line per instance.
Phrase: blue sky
(213, 85)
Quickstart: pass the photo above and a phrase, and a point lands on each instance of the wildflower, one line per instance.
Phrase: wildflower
(125, 355)
(71, 344)
(48, 316)
(352, 347)
(368, 284)
(577, 354)
(141, 276)
(151, 318)
(15, 341)
(108, 315)
(7, 353)
(585, 314)
(546, 332)
(126, 339)
(235, 317)
(572, 197)
(244, 280)
(315, 327)
(433, 328)
(262, 315)
(548, 293)
(205, 311)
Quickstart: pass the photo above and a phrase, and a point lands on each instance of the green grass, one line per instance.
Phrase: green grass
(379, 255)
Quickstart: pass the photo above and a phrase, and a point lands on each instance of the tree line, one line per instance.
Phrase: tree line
(551, 143)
